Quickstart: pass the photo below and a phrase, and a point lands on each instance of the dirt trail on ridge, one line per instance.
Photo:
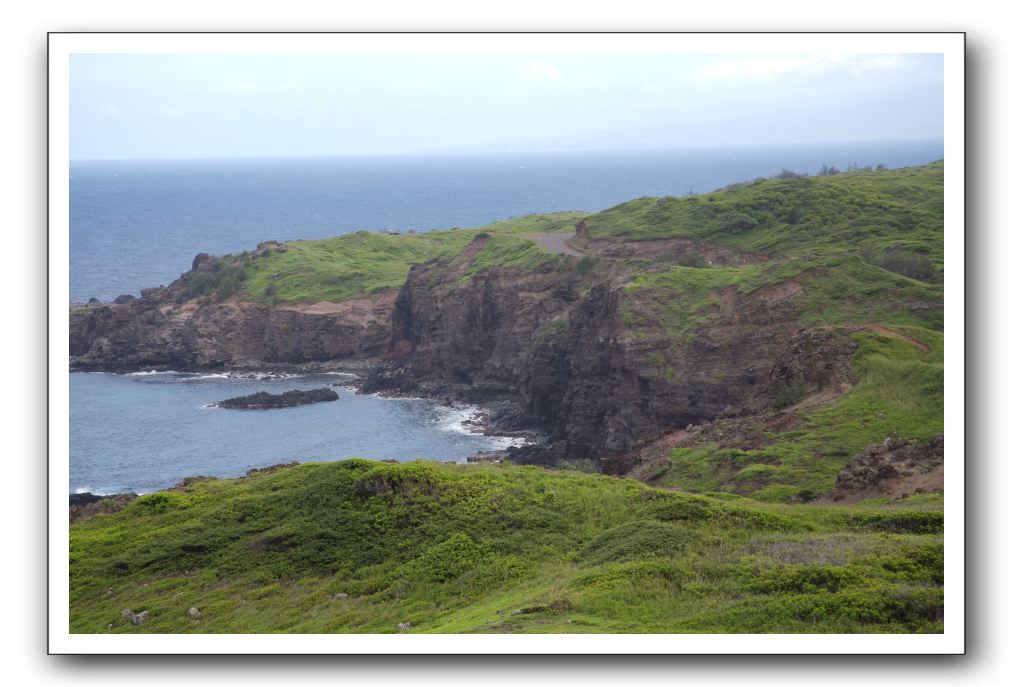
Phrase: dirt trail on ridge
(556, 243)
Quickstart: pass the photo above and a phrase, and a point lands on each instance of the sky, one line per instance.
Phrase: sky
(153, 106)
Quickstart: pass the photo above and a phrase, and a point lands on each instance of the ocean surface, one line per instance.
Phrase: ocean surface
(135, 224)
(147, 431)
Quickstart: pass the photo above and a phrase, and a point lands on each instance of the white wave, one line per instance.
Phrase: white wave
(148, 373)
(461, 419)
(500, 443)
(467, 419)
(83, 490)
(214, 376)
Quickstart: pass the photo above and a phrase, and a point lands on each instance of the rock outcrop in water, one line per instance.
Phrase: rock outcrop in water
(263, 400)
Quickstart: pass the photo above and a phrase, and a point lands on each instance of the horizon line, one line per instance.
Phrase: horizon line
(477, 153)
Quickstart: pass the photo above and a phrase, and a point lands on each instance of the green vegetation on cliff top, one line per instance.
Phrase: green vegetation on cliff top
(361, 546)
(872, 212)
(345, 266)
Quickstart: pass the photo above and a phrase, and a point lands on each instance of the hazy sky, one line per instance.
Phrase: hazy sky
(188, 106)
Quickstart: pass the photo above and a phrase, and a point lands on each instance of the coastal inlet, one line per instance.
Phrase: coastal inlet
(147, 431)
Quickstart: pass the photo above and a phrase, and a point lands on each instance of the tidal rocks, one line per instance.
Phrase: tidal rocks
(263, 400)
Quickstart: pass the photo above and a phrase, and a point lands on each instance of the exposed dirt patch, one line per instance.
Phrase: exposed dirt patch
(465, 258)
(821, 397)
(359, 309)
(677, 251)
(652, 457)
(556, 243)
(775, 293)
(884, 331)
(897, 468)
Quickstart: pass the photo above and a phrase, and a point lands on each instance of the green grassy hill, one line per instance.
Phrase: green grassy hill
(360, 546)
(875, 213)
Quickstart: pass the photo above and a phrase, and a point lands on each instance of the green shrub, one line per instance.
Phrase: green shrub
(638, 539)
(160, 502)
(735, 223)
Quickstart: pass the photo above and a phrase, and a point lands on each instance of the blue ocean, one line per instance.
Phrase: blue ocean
(135, 224)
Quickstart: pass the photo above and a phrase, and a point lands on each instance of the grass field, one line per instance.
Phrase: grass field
(360, 546)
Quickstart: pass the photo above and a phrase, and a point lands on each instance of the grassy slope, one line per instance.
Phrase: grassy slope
(899, 393)
(500, 549)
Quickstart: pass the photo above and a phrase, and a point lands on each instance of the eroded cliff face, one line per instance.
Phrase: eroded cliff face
(154, 331)
(558, 345)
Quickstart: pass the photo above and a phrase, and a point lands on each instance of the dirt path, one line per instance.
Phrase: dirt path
(556, 243)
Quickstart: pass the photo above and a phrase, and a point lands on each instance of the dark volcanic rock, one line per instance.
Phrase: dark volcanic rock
(557, 345)
(156, 331)
(124, 299)
(262, 400)
(893, 466)
(201, 261)
(813, 360)
(84, 506)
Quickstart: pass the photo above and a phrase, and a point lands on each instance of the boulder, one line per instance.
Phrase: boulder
(125, 298)
(404, 627)
(194, 612)
(135, 618)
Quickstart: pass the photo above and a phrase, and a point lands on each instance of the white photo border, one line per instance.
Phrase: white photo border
(63, 45)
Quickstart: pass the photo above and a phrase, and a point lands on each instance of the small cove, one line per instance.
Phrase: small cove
(147, 431)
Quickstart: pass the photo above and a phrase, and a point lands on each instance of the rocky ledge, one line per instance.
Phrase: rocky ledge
(262, 400)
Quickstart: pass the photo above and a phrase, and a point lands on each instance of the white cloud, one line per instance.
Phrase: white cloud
(769, 68)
